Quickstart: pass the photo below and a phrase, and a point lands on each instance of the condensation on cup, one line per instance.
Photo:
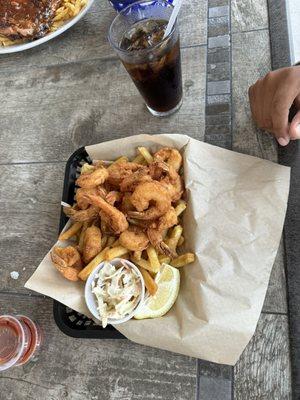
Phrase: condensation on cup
(20, 340)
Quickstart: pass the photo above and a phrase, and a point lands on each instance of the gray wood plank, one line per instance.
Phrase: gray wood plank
(79, 369)
(279, 36)
(249, 63)
(263, 371)
(247, 15)
(214, 381)
(49, 112)
(290, 156)
(29, 215)
(87, 40)
(276, 300)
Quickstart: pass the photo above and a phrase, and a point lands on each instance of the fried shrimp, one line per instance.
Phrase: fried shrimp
(119, 171)
(167, 220)
(113, 197)
(168, 177)
(174, 187)
(91, 243)
(151, 200)
(133, 180)
(67, 261)
(76, 215)
(171, 156)
(82, 203)
(126, 204)
(155, 234)
(134, 239)
(92, 179)
(114, 218)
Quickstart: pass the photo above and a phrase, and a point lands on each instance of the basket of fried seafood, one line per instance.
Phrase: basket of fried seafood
(162, 234)
(129, 209)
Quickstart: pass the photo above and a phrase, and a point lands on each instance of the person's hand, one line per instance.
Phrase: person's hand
(271, 99)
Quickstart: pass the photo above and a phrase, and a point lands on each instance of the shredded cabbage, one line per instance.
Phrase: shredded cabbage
(117, 290)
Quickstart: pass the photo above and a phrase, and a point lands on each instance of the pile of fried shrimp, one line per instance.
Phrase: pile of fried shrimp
(129, 209)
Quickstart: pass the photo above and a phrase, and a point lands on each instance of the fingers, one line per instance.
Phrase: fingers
(282, 101)
(294, 130)
(271, 99)
(297, 102)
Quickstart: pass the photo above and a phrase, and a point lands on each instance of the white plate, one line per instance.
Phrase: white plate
(49, 36)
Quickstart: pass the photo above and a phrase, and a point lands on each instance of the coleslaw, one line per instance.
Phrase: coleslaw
(117, 289)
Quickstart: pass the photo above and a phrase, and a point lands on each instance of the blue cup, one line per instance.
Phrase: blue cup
(120, 4)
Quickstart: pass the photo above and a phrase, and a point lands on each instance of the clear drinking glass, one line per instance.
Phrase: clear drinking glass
(155, 68)
(20, 340)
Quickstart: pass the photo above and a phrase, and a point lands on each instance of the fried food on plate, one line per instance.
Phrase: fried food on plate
(76, 215)
(131, 210)
(67, 261)
(88, 269)
(92, 179)
(27, 20)
(111, 215)
(170, 156)
(183, 260)
(134, 239)
(70, 232)
(91, 243)
(150, 284)
(151, 200)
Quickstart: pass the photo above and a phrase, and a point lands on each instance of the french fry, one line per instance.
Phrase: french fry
(115, 252)
(81, 237)
(138, 159)
(61, 15)
(181, 241)
(71, 231)
(87, 168)
(77, 7)
(142, 263)
(153, 259)
(164, 259)
(137, 255)
(110, 241)
(150, 284)
(84, 274)
(183, 260)
(146, 154)
(180, 208)
(119, 160)
(174, 237)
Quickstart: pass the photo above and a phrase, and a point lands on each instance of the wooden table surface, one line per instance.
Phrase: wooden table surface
(72, 92)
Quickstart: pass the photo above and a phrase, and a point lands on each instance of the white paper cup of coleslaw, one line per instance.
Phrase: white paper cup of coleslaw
(91, 300)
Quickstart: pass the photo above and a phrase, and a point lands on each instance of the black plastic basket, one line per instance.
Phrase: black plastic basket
(69, 321)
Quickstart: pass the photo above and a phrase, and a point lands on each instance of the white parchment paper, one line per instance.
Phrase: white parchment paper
(234, 220)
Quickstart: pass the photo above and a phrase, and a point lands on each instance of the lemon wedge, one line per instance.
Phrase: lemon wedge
(168, 281)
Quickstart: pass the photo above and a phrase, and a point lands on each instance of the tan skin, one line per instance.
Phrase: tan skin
(271, 99)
